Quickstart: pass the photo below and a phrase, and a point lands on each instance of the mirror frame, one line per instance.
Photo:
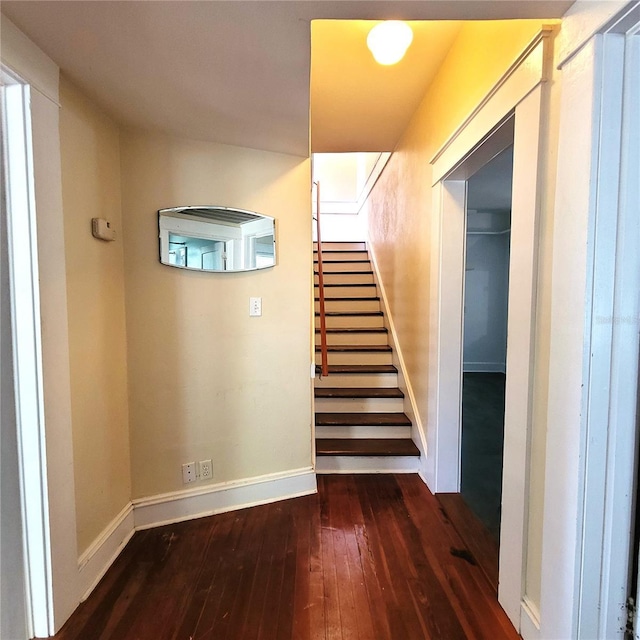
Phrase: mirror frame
(191, 213)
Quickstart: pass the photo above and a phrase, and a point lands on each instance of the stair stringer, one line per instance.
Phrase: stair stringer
(404, 383)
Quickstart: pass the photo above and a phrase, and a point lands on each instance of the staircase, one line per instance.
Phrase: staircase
(360, 421)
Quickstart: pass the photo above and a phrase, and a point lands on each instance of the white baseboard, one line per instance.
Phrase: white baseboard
(225, 496)
(529, 620)
(367, 464)
(484, 367)
(185, 505)
(95, 561)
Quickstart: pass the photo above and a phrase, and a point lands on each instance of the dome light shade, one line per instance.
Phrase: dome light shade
(389, 41)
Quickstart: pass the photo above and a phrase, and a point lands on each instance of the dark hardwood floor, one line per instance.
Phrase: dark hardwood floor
(477, 538)
(369, 557)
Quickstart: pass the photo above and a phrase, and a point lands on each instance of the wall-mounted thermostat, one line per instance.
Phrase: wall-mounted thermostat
(102, 230)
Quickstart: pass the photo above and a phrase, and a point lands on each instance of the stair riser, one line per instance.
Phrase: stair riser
(341, 246)
(348, 292)
(342, 278)
(359, 405)
(349, 265)
(356, 322)
(354, 338)
(363, 432)
(349, 306)
(367, 464)
(330, 254)
(358, 380)
(356, 358)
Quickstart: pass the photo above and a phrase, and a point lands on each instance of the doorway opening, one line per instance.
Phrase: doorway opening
(484, 358)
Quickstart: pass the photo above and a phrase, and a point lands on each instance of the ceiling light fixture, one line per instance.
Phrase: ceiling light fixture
(389, 41)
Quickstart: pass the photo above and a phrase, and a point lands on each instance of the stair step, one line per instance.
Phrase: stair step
(366, 447)
(357, 431)
(349, 277)
(357, 320)
(348, 290)
(368, 354)
(367, 464)
(356, 348)
(360, 406)
(361, 368)
(343, 273)
(341, 245)
(349, 305)
(346, 314)
(357, 392)
(334, 266)
(358, 375)
(364, 357)
(350, 299)
(355, 330)
(362, 419)
(346, 255)
(349, 336)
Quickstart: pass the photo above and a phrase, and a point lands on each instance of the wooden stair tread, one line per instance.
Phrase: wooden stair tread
(366, 447)
(358, 392)
(363, 299)
(360, 368)
(359, 419)
(345, 273)
(338, 314)
(341, 251)
(356, 348)
(347, 284)
(355, 330)
(343, 261)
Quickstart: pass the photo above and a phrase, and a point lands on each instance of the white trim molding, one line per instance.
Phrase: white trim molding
(102, 552)
(28, 61)
(177, 506)
(529, 620)
(524, 75)
(593, 368)
(27, 354)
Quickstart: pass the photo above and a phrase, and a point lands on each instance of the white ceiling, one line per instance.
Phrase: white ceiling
(235, 72)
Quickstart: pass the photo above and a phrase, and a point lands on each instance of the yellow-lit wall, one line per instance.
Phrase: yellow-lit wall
(205, 379)
(400, 210)
(90, 155)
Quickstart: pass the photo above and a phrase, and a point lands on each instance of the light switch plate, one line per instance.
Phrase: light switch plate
(255, 307)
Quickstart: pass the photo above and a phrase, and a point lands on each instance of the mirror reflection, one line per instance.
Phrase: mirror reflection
(208, 238)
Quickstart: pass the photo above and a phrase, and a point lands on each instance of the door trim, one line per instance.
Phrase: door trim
(516, 103)
(593, 370)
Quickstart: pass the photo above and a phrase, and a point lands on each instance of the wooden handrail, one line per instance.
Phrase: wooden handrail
(324, 368)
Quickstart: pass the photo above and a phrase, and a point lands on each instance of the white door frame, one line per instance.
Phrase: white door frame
(43, 264)
(27, 360)
(593, 377)
(511, 113)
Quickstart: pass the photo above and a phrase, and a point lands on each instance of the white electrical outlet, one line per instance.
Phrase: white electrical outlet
(255, 306)
(189, 472)
(206, 470)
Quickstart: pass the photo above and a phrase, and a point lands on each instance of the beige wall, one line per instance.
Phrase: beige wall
(90, 154)
(400, 224)
(205, 379)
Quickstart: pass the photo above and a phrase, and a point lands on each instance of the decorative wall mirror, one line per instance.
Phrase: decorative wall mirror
(216, 239)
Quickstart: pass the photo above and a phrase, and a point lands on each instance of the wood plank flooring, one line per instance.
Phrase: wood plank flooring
(474, 534)
(370, 557)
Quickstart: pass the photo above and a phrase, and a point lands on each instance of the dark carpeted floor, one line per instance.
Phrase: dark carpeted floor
(482, 446)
